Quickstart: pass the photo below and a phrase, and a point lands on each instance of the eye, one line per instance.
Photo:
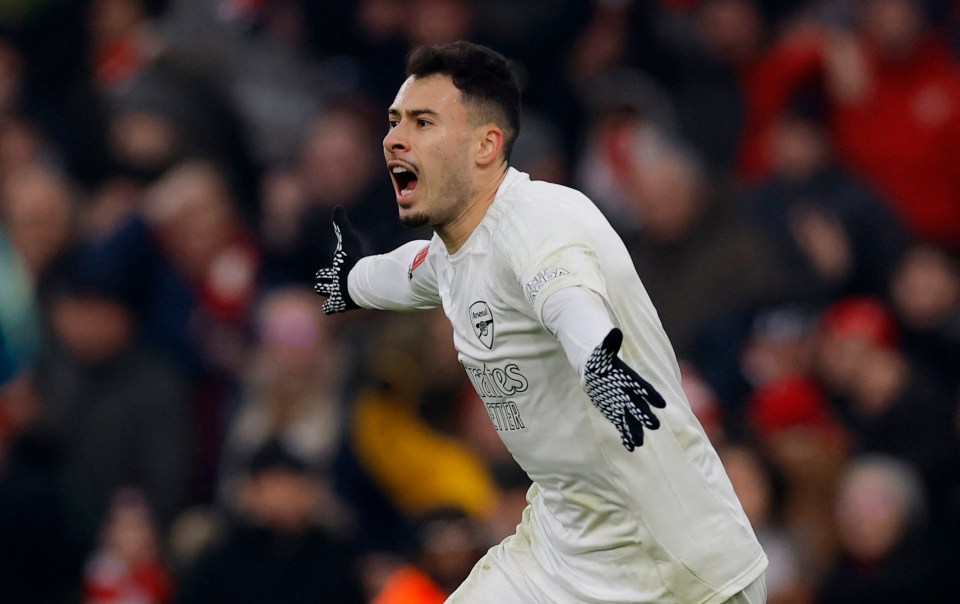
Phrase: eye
(393, 123)
(422, 123)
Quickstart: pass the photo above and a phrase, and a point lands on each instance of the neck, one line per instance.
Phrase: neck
(456, 232)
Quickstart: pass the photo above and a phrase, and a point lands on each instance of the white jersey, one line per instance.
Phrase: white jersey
(659, 524)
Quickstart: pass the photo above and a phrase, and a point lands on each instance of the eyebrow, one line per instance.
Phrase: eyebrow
(412, 112)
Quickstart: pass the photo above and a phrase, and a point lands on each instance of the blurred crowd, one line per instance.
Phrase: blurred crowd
(180, 423)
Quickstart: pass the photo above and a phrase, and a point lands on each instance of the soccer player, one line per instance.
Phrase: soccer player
(629, 501)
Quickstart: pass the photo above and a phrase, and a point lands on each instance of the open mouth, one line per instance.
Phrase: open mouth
(404, 179)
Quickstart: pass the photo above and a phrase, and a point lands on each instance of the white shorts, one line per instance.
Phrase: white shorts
(515, 578)
(502, 579)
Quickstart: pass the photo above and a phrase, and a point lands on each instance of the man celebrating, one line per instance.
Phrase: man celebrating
(555, 330)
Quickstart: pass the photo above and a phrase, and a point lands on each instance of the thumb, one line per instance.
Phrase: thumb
(601, 360)
(349, 239)
(612, 341)
(339, 216)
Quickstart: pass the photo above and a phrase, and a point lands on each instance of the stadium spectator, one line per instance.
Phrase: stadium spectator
(261, 56)
(925, 295)
(291, 393)
(890, 404)
(761, 493)
(839, 237)
(191, 269)
(696, 58)
(438, 21)
(806, 443)
(127, 565)
(880, 509)
(159, 106)
(627, 109)
(39, 210)
(447, 543)
(337, 165)
(699, 257)
(118, 411)
(41, 548)
(215, 264)
(274, 550)
(894, 93)
(412, 458)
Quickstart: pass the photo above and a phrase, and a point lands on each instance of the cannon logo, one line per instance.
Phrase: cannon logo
(482, 320)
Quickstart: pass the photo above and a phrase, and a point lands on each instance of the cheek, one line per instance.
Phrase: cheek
(442, 153)
(446, 165)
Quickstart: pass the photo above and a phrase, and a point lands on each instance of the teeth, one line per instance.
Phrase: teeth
(399, 169)
(406, 192)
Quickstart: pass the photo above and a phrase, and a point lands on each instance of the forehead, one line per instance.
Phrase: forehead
(435, 93)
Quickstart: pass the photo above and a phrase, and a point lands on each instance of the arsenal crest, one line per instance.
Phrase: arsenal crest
(482, 320)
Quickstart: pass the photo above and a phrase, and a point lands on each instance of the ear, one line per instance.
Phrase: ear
(490, 144)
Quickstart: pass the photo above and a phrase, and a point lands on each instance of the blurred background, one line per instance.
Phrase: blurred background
(179, 422)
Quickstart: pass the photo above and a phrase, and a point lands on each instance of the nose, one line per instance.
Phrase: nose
(394, 140)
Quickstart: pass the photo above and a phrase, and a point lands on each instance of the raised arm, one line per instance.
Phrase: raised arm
(398, 280)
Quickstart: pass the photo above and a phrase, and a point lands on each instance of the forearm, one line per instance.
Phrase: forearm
(579, 319)
(585, 328)
(383, 281)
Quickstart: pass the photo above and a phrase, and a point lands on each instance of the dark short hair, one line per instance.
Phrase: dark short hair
(483, 76)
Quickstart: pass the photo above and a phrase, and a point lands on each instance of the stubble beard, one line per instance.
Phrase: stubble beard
(457, 188)
(417, 220)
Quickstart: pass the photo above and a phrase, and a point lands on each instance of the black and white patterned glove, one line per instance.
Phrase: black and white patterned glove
(619, 393)
(332, 280)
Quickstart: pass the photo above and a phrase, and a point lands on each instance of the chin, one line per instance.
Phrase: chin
(413, 220)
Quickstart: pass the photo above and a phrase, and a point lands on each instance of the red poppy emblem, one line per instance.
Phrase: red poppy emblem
(418, 260)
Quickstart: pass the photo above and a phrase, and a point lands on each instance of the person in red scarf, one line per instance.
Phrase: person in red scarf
(128, 566)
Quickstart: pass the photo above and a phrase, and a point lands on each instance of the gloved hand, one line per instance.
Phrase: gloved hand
(619, 393)
(332, 281)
